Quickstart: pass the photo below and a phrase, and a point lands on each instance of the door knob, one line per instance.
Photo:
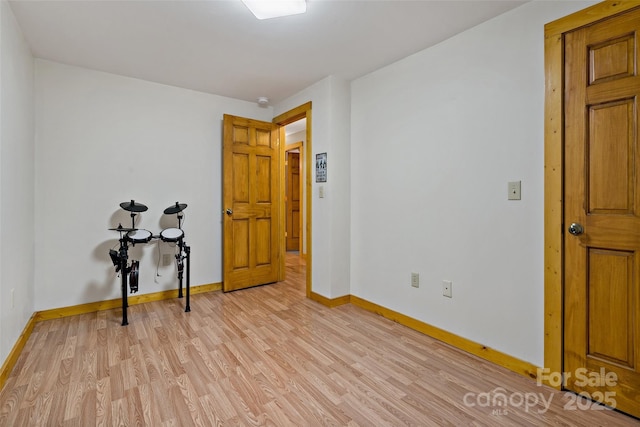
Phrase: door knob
(576, 229)
(229, 212)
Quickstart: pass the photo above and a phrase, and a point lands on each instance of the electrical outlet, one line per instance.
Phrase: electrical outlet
(415, 280)
(447, 288)
(166, 259)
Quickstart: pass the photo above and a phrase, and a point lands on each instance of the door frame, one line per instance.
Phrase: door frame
(300, 112)
(554, 173)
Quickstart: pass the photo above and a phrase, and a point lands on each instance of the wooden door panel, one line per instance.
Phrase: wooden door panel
(295, 224)
(602, 192)
(240, 135)
(263, 241)
(612, 59)
(611, 335)
(264, 139)
(251, 203)
(295, 190)
(263, 179)
(241, 244)
(611, 150)
(240, 178)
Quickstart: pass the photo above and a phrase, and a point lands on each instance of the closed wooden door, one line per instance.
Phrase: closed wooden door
(252, 200)
(602, 201)
(292, 200)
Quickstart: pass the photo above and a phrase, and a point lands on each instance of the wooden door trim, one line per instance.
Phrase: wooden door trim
(296, 145)
(554, 170)
(301, 112)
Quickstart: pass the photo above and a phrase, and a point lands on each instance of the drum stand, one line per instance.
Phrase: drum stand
(120, 260)
(186, 250)
(123, 268)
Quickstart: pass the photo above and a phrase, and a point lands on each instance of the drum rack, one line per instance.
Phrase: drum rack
(129, 273)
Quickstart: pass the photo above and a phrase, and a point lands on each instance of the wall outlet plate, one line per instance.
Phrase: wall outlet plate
(415, 280)
(447, 290)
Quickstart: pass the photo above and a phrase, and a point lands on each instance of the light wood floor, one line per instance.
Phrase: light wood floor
(264, 356)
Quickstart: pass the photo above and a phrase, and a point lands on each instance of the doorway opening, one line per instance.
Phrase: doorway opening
(295, 136)
(298, 121)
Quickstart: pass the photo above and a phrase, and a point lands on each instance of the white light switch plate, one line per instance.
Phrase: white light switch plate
(514, 190)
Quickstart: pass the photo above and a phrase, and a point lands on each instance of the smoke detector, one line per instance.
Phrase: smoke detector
(263, 101)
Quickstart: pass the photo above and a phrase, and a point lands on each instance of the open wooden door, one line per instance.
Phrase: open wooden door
(252, 203)
(602, 212)
(293, 200)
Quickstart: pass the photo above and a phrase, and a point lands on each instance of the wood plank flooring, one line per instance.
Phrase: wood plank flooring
(266, 356)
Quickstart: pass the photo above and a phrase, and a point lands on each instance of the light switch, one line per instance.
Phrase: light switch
(514, 190)
(321, 191)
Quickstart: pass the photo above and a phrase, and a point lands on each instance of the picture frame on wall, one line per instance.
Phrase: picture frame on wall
(321, 167)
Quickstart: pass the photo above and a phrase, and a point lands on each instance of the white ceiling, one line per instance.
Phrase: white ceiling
(218, 46)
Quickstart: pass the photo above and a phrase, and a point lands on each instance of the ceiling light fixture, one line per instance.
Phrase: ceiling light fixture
(266, 9)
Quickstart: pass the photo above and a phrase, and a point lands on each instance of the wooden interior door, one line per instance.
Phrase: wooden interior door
(252, 200)
(602, 195)
(292, 200)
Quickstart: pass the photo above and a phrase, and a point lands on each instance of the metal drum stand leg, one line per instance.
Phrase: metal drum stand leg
(187, 250)
(183, 254)
(180, 259)
(121, 259)
(123, 271)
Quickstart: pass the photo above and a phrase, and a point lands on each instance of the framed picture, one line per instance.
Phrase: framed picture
(321, 167)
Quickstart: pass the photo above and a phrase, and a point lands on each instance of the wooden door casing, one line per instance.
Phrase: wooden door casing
(602, 193)
(252, 202)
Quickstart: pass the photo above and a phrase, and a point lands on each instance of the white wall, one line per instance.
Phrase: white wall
(16, 181)
(296, 137)
(330, 127)
(435, 139)
(104, 139)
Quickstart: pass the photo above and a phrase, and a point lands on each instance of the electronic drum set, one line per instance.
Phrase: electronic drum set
(135, 236)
